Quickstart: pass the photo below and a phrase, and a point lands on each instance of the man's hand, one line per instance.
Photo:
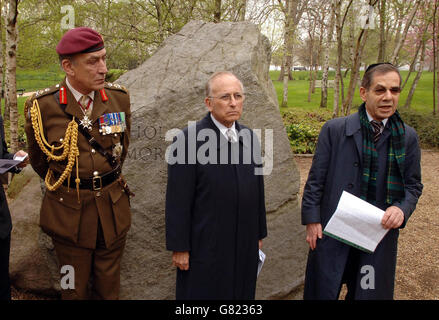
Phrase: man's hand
(25, 162)
(181, 260)
(313, 231)
(393, 218)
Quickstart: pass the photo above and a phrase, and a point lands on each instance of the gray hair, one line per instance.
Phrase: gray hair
(216, 75)
(378, 68)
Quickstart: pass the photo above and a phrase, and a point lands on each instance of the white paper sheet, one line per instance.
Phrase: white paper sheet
(357, 223)
(261, 261)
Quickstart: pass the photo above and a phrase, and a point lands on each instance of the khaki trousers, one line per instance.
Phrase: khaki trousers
(96, 270)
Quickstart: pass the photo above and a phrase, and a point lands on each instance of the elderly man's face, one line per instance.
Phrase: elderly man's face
(87, 71)
(226, 99)
(383, 95)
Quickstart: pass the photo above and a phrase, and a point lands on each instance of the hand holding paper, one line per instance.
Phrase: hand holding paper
(393, 218)
(357, 223)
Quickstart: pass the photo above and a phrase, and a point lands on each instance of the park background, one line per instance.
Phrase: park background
(319, 52)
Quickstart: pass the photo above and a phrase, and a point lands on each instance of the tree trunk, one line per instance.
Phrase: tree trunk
(404, 34)
(242, 10)
(1, 55)
(281, 74)
(290, 13)
(324, 98)
(158, 8)
(412, 65)
(435, 59)
(418, 76)
(338, 28)
(11, 65)
(217, 11)
(382, 46)
(435, 56)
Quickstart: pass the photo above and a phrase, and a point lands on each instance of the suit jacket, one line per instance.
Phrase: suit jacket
(337, 166)
(62, 216)
(5, 217)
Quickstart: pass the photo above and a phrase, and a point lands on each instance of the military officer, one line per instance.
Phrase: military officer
(78, 135)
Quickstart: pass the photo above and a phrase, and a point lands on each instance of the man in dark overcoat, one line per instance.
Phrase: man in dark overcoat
(5, 218)
(215, 208)
(375, 156)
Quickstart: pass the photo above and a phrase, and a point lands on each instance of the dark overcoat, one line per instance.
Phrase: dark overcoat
(5, 216)
(337, 166)
(217, 213)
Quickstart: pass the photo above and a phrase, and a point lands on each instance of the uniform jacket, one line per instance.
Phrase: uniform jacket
(217, 212)
(62, 216)
(337, 166)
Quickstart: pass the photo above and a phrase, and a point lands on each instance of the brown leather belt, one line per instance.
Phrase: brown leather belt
(97, 182)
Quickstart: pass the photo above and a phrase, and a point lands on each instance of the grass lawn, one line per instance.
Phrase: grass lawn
(298, 92)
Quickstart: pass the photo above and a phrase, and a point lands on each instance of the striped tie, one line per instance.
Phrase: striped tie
(377, 128)
(85, 102)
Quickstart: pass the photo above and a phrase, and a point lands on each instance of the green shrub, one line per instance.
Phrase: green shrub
(114, 74)
(303, 138)
(425, 124)
(303, 128)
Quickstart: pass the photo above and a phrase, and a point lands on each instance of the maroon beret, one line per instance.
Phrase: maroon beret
(80, 40)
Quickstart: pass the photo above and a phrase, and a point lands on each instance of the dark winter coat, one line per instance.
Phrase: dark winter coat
(217, 213)
(337, 166)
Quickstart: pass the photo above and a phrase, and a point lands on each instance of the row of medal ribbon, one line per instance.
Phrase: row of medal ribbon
(112, 123)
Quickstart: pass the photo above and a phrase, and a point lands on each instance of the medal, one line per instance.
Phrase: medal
(86, 122)
(117, 150)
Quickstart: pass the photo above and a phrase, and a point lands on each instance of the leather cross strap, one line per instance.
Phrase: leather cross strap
(91, 140)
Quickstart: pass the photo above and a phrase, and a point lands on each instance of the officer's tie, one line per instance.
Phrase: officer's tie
(377, 130)
(85, 102)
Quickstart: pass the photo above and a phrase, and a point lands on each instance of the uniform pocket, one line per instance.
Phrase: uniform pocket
(60, 215)
(121, 209)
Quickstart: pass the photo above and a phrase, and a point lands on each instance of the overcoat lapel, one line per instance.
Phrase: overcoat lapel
(353, 128)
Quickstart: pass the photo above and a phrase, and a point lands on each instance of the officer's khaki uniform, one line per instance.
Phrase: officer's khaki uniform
(88, 234)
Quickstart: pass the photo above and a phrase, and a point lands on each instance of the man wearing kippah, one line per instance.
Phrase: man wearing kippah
(375, 156)
(78, 134)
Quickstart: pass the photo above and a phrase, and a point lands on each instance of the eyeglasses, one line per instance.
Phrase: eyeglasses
(228, 97)
(380, 90)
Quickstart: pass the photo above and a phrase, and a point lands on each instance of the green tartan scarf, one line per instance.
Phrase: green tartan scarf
(395, 159)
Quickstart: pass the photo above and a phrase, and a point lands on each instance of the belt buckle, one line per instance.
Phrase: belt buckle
(97, 178)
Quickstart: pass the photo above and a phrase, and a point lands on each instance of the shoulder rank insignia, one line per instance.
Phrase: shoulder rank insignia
(116, 86)
(44, 92)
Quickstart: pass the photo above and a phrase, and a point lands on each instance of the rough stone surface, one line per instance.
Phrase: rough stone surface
(166, 92)
(33, 265)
